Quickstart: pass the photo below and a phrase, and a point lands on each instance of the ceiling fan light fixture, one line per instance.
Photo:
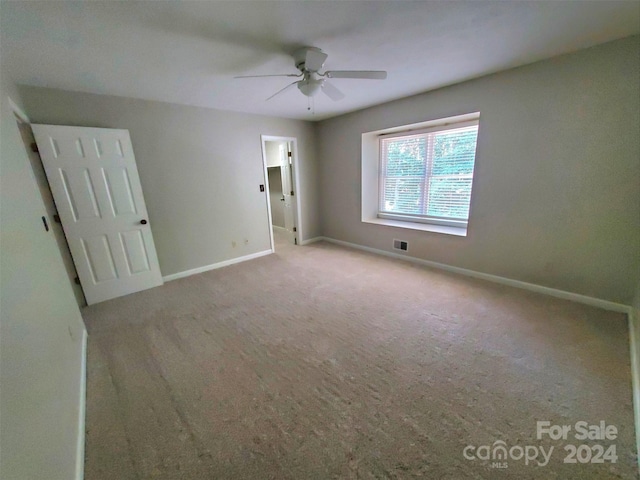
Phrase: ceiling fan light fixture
(310, 87)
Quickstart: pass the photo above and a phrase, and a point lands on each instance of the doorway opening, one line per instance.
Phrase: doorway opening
(283, 202)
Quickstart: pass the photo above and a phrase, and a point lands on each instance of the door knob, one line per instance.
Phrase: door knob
(143, 222)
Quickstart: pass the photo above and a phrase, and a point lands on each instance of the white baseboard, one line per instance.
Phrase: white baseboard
(312, 240)
(206, 268)
(82, 409)
(634, 341)
(575, 297)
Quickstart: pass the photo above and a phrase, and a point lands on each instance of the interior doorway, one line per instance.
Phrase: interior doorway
(280, 162)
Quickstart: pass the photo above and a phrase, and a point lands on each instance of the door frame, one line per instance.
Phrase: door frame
(51, 210)
(297, 215)
(61, 240)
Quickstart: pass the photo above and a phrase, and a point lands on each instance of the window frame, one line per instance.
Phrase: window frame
(445, 125)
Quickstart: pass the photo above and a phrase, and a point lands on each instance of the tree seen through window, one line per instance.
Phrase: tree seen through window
(430, 174)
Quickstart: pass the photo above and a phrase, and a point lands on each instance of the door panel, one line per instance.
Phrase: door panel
(80, 193)
(135, 251)
(119, 189)
(99, 258)
(94, 181)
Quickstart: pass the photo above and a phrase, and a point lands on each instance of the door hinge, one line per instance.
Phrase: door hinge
(34, 147)
(289, 154)
(56, 218)
(77, 280)
(292, 193)
(295, 229)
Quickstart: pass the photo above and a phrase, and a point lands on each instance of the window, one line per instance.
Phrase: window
(426, 176)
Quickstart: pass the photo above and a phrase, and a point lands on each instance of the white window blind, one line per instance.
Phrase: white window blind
(427, 176)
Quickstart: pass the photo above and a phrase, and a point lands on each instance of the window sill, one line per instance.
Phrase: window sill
(425, 227)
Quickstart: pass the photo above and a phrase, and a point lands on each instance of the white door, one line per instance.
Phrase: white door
(94, 181)
(287, 191)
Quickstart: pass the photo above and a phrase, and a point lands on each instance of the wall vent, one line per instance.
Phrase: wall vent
(400, 245)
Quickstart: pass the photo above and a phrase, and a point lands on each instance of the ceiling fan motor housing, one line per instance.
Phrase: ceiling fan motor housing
(300, 58)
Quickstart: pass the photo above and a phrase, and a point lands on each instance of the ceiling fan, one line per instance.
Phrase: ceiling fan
(309, 61)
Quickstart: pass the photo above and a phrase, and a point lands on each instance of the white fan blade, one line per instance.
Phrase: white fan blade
(282, 90)
(314, 60)
(276, 75)
(332, 92)
(364, 74)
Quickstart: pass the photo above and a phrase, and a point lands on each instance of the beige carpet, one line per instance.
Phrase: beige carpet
(321, 362)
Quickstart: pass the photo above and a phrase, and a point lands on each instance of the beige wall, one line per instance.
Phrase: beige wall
(200, 170)
(41, 330)
(556, 196)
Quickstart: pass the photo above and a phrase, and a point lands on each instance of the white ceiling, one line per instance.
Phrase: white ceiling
(188, 52)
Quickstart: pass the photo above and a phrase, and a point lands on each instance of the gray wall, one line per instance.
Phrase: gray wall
(275, 196)
(41, 329)
(556, 196)
(200, 170)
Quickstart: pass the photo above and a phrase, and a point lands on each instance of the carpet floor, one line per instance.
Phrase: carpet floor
(321, 362)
